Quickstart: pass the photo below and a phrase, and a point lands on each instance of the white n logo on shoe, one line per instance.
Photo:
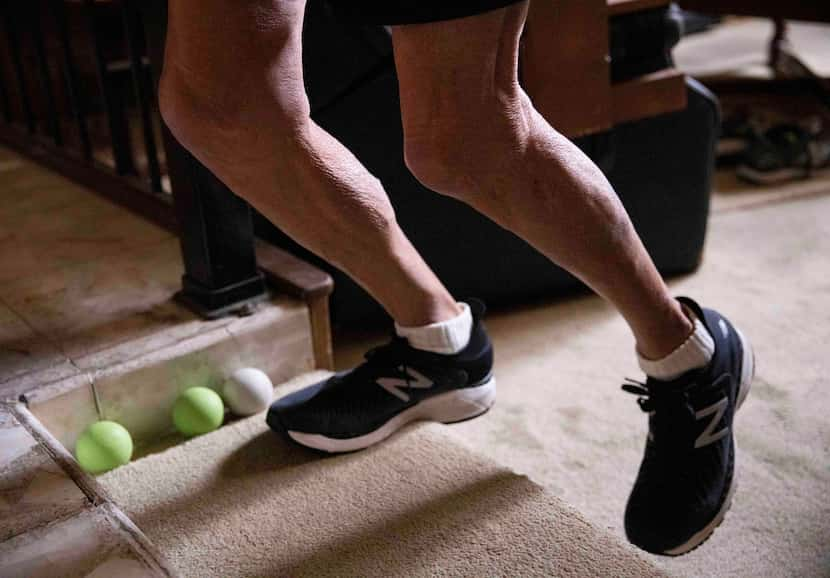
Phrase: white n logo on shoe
(716, 410)
(415, 379)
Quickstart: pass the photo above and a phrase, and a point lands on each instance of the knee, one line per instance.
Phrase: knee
(437, 161)
(208, 116)
(181, 109)
(459, 155)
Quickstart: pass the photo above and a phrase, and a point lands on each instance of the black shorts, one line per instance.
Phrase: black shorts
(392, 12)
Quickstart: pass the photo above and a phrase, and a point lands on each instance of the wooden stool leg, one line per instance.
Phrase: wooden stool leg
(775, 43)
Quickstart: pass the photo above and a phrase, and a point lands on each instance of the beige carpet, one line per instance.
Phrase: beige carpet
(561, 419)
(242, 502)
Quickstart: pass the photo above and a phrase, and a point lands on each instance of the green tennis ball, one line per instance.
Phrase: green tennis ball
(198, 410)
(103, 446)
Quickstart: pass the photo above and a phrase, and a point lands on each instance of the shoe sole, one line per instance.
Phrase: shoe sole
(781, 175)
(771, 177)
(747, 374)
(450, 407)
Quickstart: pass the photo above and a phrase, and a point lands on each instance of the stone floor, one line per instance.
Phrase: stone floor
(89, 331)
(69, 260)
(49, 525)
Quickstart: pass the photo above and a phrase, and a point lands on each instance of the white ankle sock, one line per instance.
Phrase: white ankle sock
(695, 352)
(448, 337)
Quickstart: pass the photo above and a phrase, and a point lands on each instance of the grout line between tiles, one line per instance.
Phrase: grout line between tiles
(97, 496)
(35, 331)
(94, 492)
(91, 489)
(51, 521)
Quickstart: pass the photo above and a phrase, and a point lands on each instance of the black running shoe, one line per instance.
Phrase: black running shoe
(397, 384)
(685, 483)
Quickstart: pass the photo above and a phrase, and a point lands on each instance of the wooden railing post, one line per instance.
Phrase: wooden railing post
(215, 226)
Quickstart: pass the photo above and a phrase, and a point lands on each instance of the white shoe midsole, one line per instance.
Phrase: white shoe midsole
(452, 406)
(747, 369)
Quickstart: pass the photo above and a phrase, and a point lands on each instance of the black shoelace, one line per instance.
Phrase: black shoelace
(669, 407)
(651, 398)
(385, 360)
(388, 352)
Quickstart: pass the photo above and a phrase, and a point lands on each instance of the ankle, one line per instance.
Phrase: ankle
(447, 336)
(694, 352)
(429, 311)
(671, 330)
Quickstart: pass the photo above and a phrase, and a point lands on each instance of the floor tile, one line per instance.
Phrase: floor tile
(22, 351)
(34, 490)
(89, 544)
(137, 333)
(12, 389)
(33, 189)
(99, 303)
(35, 241)
(47, 221)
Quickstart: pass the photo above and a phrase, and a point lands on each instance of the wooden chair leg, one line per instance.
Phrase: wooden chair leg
(776, 41)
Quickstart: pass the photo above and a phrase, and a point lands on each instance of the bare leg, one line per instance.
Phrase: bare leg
(232, 93)
(471, 132)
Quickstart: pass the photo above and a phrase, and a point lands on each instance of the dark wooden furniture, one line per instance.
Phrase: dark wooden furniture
(566, 68)
(798, 76)
(815, 10)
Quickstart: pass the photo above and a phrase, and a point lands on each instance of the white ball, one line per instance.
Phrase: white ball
(248, 391)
